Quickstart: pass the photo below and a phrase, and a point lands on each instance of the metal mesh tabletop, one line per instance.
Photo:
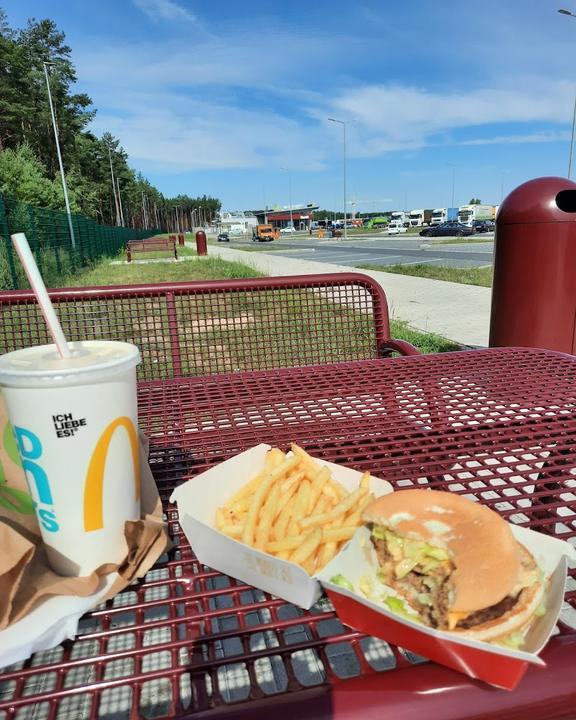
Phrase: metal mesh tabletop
(497, 425)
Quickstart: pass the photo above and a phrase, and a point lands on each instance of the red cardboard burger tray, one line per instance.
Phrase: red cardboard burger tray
(190, 642)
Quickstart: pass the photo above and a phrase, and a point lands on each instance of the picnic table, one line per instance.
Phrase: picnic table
(498, 425)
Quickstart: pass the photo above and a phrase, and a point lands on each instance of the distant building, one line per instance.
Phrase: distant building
(302, 216)
(236, 222)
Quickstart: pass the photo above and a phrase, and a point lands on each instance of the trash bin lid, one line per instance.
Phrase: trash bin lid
(543, 200)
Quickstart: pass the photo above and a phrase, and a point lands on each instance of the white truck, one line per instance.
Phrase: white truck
(442, 215)
(397, 223)
(420, 217)
(468, 213)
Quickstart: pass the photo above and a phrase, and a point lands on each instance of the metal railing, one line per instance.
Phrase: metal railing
(49, 236)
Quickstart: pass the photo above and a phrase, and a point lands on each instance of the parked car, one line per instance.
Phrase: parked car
(447, 229)
(395, 229)
(482, 226)
(288, 230)
(223, 237)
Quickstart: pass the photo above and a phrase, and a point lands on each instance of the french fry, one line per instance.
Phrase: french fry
(310, 565)
(220, 519)
(228, 513)
(300, 507)
(339, 534)
(260, 494)
(318, 481)
(329, 491)
(268, 514)
(274, 457)
(233, 531)
(241, 506)
(281, 524)
(327, 552)
(308, 547)
(338, 489)
(328, 535)
(302, 454)
(323, 505)
(342, 508)
(354, 517)
(365, 480)
(291, 480)
(246, 490)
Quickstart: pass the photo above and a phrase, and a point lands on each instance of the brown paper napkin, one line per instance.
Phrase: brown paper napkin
(26, 579)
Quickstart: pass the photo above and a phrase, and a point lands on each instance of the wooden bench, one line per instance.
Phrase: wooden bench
(155, 244)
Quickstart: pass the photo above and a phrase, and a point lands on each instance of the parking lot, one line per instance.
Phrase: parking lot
(382, 251)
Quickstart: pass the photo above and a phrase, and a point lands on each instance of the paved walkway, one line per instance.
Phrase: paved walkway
(458, 312)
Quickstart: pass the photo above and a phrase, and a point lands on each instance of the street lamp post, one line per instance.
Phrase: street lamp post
(453, 181)
(63, 177)
(343, 123)
(569, 13)
(114, 187)
(572, 141)
(290, 194)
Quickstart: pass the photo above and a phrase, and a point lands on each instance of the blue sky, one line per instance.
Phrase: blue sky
(218, 97)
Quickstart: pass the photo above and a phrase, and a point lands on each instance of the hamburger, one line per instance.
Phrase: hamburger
(455, 563)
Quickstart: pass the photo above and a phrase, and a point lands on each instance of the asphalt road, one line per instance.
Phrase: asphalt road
(381, 251)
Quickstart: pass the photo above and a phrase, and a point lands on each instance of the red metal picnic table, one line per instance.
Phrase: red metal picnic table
(498, 425)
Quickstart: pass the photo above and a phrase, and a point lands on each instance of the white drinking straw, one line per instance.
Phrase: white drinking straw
(37, 284)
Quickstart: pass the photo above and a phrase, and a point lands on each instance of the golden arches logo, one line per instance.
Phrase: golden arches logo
(94, 485)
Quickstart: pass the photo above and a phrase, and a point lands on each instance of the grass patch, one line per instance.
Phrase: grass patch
(425, 342)
(183, 251)
(365, 231)
(457, 240)
(256, 247)
(208, 268)
(467, 276)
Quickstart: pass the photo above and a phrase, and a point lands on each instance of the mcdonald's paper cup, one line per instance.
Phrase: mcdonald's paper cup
(75, 423)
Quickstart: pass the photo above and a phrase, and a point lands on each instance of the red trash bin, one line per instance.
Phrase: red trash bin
(201, 244)
(534, 287)
(181, 239)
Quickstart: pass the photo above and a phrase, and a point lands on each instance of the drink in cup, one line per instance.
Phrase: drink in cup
(76, 429)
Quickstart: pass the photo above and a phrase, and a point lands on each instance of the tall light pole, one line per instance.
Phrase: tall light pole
(453, 166)
(120, 201)
(63, 177)
(342, 122)
(289, 194)
(114, 187)
(569, 13)
(502, 173)
(572, 141)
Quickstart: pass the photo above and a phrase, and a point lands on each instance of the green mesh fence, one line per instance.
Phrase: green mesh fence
(48, 233)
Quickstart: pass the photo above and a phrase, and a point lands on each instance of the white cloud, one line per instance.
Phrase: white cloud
(169, 133)
(203, 60)
(540, 137)
(164, 10)
(399, 118)
(193, 107)
(216, 102)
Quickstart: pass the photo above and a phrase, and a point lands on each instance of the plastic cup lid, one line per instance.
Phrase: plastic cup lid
(42, 363)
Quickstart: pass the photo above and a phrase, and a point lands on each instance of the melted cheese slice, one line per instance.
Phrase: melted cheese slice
(454, 618)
